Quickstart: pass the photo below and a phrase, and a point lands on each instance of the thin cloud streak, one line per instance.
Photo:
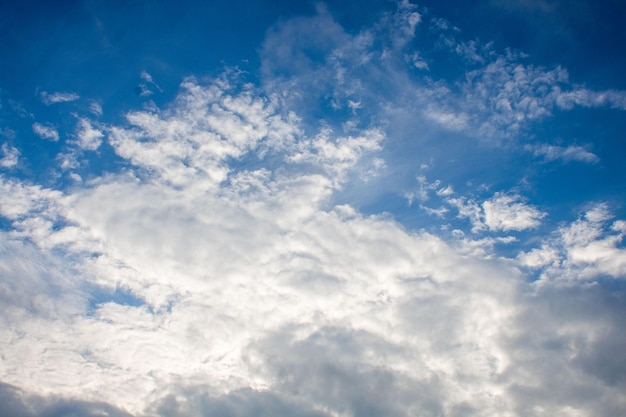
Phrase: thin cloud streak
(58, 97)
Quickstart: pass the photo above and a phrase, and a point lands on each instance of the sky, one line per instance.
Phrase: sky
(339, 209)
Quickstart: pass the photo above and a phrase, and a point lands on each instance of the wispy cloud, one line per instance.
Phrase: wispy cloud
(95, 108)
(564, 153)
(58, 97)
(147, 87)
(10, 156)
(46, 131)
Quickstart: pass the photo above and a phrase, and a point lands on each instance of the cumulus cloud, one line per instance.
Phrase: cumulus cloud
(88, 138)
(46, 131)
(58, 97)
(248, 289)
(510, 212)
(502, 212)
(588, 247)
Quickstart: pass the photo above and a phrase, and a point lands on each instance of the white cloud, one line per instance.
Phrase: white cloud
(338, 154)
(58, 97)
(217, 275)
(501, 98)
(88, 138)
(146, 76)
(439, 212)
(95, 108)
(46, 131)
(589, 98)
(417, 61)
(469, 209)
(564, 153)
(10, 156)
(146, 88)
(502, 212)
(586, 249)
(509, 212)
(539, 257)
(448, 119)
(497, 97)
(446, 191)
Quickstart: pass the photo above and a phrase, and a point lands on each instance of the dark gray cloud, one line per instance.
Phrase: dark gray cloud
(197, 402)
(351, 372)
(566, 350)
(17, 403)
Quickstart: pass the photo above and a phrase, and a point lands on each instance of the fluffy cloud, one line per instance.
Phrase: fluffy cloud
(88, 138)
(587, 248)
(502, 212)
(509, 212)
(46, 131)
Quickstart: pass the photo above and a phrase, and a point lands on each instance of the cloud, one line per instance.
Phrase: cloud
(58, 97)
(88, 137)
(497, 96)
(509, 212)
(195, 283)
(145, 89)
(146, 76)
(11, 156)
(221, 270)
(195, 401)
(585, 249)
(95, 108)
(589, 98)
(15, 402)
(502, 212)
(564, 153)
(46, 132)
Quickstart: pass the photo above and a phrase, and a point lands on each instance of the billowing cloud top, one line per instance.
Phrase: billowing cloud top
(331, 238)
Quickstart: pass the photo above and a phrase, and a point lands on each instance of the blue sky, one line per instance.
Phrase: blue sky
(312, 209)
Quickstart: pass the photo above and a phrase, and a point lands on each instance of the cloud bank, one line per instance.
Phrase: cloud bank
(218, 272)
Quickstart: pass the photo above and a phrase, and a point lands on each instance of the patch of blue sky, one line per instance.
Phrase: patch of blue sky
(120, 296)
